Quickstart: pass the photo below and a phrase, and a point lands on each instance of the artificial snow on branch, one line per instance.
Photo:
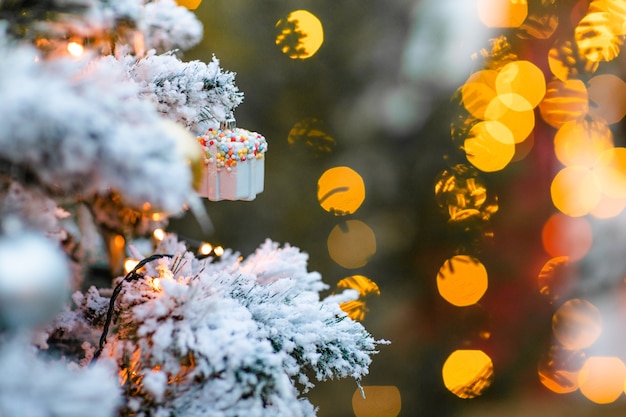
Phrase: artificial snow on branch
(92, 133)
(196, 337)
(167, 26)
(190, 93)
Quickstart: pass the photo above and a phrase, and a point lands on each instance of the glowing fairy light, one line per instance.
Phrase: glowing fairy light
(130, 264)
(205, 249)
(155, 283)
(75, 49)
(159, 234)
(218, 251)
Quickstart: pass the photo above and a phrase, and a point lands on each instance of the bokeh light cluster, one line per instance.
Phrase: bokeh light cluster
(494, 128)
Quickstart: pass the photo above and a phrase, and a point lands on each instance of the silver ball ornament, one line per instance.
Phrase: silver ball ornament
(34, 280)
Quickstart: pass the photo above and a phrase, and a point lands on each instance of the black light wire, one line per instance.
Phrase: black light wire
(130, 276)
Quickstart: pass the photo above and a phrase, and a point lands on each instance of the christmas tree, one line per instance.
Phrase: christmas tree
(99, 133)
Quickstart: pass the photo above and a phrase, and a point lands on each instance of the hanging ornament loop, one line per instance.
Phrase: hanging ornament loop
(228, 124)
(131, 276)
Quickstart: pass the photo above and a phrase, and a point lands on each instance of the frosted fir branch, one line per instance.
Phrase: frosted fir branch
(167, 26)
(209, 344)
(190, 93)
(234, 334)
(83, 130)
(35, 387)
(317, 335)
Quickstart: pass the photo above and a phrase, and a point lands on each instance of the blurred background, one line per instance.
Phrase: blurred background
(492, 233)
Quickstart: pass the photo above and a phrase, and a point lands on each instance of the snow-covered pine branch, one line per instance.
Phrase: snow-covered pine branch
(81, 129)
(194, 94)
(235, 337)
(167, 26)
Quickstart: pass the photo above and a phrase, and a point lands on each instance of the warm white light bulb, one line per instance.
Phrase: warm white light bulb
(130, 264)
(75, 49)
(205, 249)
(159, 234)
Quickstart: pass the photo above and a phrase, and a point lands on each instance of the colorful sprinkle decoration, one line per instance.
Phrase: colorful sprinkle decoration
(225, 148)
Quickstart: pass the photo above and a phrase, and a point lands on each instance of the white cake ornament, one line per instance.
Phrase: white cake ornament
(234, 164)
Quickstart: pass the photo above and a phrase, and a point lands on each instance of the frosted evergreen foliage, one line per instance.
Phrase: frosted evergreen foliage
(236, 337)
(168, 26)
(92, 133)
(193, 94)
(317, 335)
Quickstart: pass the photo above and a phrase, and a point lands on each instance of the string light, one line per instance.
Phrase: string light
(205, 249)
(130, 264)
(75, 49)
(159, 234)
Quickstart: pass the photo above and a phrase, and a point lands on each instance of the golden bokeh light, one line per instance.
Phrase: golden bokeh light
(490, 146)
(356, 309)
(379, 401)
(300, 34)
(581, 142)
(601, 379)
(541, 22)
(607, 92)
(462, 194)
(575, 190)
(190, 4)
(610, 170)
(521, 78)
(351, 244)
(467, 373)
(119, 242)
(557, 62)
(567, 236)
(218, 250)
(362, 284)
(616, 10)
(478, 91)
(595, 37)
(577, 324)
(564, 101)
(566, 62)
(519, 122)
(559, 368)
(462, 280)
(557, 278)
(340, 191)
(502, 13)
(309, 135)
